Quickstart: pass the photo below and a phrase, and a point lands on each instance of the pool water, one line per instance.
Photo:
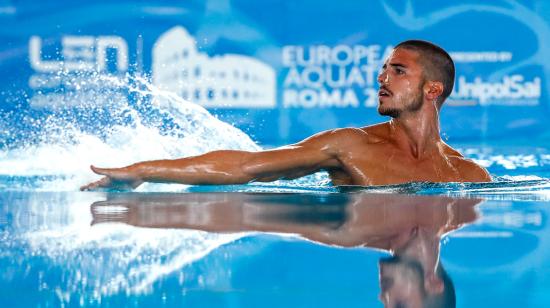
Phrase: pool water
(301, 243)
(254, 248)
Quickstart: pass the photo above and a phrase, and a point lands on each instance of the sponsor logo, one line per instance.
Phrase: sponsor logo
(511, 90)
(71, 66)
(80, 54)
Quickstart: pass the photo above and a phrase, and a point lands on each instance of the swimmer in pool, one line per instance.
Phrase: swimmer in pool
(415, 80)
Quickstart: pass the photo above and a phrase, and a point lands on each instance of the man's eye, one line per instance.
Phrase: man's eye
(399, 71)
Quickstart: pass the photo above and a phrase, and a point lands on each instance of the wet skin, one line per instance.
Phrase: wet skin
(408, 148)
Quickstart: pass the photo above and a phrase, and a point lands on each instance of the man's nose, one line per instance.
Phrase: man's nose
(382, 77)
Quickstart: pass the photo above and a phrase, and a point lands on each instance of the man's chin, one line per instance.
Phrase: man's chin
(390, 112)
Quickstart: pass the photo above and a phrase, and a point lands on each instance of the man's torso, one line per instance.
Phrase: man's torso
(374, 159)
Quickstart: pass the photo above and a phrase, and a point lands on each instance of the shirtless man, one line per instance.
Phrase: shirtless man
(414, 81)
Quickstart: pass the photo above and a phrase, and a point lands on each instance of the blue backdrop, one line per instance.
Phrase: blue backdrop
(282, 70)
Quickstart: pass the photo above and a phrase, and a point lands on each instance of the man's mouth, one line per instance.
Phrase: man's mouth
(383, 92)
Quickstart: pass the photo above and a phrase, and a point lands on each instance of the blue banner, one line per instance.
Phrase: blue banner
(279, 70)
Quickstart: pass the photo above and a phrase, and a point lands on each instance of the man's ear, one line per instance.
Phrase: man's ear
(433, 90)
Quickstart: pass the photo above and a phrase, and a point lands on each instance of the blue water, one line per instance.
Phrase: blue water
(248, 248)
(302, 243)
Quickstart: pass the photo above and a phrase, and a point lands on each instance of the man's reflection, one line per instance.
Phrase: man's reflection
(407, 278)
(409, 227)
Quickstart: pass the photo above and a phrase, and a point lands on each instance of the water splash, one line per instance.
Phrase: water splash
(108, 121)
(154, 124)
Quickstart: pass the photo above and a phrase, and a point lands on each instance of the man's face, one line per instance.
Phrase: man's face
(401, 81)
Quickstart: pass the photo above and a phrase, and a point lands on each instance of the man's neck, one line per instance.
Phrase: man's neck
(417, 132)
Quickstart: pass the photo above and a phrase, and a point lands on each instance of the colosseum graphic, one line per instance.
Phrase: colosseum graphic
(230, 80)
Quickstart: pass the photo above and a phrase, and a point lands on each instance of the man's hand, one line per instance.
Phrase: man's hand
(117, 178)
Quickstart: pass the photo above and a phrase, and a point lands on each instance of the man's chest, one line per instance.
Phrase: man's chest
(386, 166)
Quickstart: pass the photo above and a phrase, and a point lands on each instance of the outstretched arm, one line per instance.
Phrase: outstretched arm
(232, 167)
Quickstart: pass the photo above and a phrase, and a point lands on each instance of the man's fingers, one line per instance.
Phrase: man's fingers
(120, 178)
(103, 171)
(114, 173)
(87, 187)
(104, 182)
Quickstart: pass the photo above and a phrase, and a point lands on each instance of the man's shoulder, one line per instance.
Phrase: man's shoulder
(377, 132)
(364, 135)
(342, 134)
(379, 128)
(335, 138)
(449, 151)
(341, 140)
(348, 132)
(469, 170)
(345, 140)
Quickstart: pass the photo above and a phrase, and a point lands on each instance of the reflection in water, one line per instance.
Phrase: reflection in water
(51, 254)
(409, 227)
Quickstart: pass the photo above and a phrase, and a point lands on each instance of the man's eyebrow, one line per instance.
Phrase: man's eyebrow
(399, 65)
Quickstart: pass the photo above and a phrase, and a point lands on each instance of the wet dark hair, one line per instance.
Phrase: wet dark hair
(437, 64)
